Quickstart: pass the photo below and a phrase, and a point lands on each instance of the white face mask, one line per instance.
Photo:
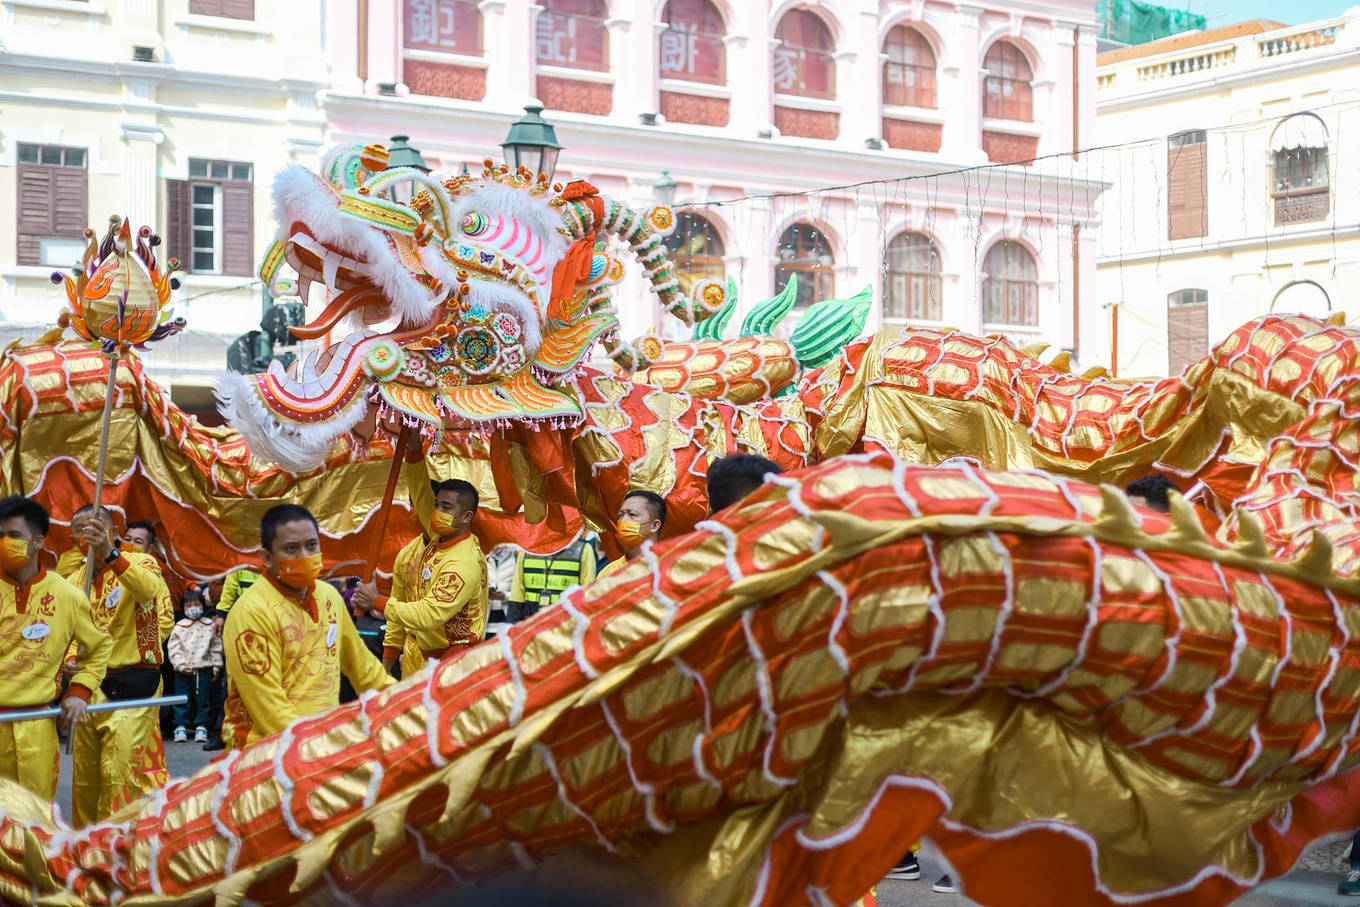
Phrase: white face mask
(193, 612)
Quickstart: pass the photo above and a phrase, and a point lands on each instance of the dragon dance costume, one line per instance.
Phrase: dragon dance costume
(1080, 702)
(119, 756)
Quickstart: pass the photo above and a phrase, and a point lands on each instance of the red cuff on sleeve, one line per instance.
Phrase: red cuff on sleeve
(121, 563)
(390, 652)
(79, 691)
(380, 603)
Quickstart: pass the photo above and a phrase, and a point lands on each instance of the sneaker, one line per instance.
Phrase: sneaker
(181, 736)
(1350, 885)
(213, 746)
(945, 885)
(906, 868)
(201, 735)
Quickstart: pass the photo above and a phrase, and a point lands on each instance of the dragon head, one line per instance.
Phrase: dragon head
(480, 296)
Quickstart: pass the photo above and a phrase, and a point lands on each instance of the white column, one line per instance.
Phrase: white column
(1057, 134)
(508, 28)
(625, 45)
(139, 173)
(384, 43)
(857, 79)
(341, 43)
(863, 249)
(749, 46)
(962, 137)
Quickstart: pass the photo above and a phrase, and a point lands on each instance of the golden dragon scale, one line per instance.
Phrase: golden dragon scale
(862, 653)
(1079, 702)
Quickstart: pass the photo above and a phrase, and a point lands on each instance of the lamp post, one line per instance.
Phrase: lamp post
(400, 153)
(665, 189)
(532, 143)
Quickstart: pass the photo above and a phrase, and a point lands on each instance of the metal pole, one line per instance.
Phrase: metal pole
(54, 712)
(103, 459)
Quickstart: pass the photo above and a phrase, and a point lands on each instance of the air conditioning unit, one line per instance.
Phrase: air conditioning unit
(143, 54)
(873, 144)
(647, 119)
(387, 89)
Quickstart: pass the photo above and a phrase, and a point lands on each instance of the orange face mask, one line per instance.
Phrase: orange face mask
(133, 546)
(441, 523)
(629, 534)
(13, 554)
(299, 572)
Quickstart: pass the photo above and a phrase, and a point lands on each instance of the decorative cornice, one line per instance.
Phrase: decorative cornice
(143, 132)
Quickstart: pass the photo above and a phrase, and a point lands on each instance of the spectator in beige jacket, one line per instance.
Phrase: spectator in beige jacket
(196, 654)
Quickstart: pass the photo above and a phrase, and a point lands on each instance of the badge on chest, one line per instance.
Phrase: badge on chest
(426, 574)
(332, 633)
(113, 598)
(36, 631)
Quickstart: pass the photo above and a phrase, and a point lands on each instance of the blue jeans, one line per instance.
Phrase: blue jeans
(197, 712)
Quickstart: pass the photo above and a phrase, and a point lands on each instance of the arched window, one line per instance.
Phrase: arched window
(447, 26)
(1187, 328)
(803, 64)
(909, 70)
(692, 46)
(804, 251)
(697, 250)
(1010, 285)
(913, 278)
(1006, 93)
(572, 33)
(1302, 297)
(1300, 184)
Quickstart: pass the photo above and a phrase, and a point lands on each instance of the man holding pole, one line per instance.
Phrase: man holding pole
(119, 755)
(449, 606)
(40, 615)
(290, 637)
(409, 563)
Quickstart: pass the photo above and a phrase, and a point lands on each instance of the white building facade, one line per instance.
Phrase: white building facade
(743, 103)
(1236, 194)
(175, 113)
(178, 113)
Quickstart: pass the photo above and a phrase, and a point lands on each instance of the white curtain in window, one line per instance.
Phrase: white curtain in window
(1299, 131)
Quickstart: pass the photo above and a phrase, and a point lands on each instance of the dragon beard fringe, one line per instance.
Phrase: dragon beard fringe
(296, 447)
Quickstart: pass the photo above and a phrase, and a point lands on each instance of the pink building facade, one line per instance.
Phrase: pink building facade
(754, 109)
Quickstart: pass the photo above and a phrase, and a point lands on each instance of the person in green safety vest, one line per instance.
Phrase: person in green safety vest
(540, 579)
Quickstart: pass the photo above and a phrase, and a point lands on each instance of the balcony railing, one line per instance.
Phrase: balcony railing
(1293, 43)
(1190, 65)
(1302, 208)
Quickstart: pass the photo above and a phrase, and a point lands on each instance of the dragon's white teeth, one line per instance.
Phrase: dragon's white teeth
(330, 265)
(304, 286)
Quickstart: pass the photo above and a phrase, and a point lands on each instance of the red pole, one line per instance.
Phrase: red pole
(398, 456)
(1114, 341)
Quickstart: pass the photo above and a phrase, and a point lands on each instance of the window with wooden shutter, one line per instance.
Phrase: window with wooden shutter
(1010, 285)
(53, 205)
(212, 217)
(227, 9)
(1187, 203)
(1187, 328)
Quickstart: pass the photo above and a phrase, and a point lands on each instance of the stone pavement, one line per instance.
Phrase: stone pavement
(1313, 881)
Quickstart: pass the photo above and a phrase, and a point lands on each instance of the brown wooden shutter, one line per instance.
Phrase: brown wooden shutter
(1187, 205)
(1187, 335)
(205, 7)
(35, 212)
(238, 9)
(177, 239)
(238, 233)
(70, 201)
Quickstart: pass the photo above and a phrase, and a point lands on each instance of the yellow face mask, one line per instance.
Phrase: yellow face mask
(299, 572)
(441, 523)
(13, 554)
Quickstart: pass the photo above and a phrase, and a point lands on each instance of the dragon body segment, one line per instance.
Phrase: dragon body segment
(863, 652)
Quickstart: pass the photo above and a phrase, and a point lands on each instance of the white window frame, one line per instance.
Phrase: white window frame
(194, 248)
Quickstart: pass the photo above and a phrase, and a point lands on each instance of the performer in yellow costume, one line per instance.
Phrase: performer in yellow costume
(40, 615)
(409, 563)
(447, 607)
(118, 756)
(641, 516)
(290, 637)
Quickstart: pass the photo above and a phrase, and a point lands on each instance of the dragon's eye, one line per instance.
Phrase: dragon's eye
(475, 224)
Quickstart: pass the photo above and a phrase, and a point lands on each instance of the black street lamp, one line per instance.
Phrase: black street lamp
(532, 143)
(400, 153)
(665, 189)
